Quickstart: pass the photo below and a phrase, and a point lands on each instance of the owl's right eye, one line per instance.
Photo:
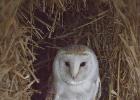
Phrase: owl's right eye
(82, 64)
(67, 64)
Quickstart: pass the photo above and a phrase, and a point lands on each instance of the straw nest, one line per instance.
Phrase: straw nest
(31, 31)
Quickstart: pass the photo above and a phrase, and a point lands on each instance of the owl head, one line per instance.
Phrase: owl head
(75, 65)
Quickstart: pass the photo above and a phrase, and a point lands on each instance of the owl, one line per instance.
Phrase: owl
(76, 74)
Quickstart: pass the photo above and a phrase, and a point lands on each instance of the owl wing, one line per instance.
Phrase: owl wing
(98, 94)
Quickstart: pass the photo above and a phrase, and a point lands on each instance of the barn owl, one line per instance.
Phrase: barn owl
(76, 74)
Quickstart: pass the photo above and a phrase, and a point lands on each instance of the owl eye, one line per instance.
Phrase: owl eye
(82, 64)
(67, 64)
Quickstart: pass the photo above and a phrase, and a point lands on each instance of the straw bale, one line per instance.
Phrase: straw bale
(31, 31)
(16, 72)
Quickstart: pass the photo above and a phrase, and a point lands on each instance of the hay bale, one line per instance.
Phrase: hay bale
(16, 72)
(41, 27)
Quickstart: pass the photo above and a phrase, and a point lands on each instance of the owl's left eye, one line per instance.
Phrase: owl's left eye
(82, 64)
(67, 64)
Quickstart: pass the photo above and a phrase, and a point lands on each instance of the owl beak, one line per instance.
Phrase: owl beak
(74, 72)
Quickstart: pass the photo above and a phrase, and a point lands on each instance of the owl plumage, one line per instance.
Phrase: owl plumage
(76, 74)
